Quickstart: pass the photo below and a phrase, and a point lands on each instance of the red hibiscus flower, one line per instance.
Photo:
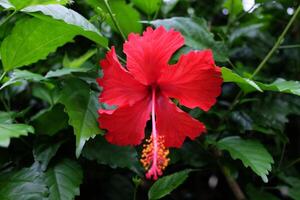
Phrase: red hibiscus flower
(145, 87)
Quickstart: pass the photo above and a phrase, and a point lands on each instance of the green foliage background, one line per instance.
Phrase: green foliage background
(50, 143)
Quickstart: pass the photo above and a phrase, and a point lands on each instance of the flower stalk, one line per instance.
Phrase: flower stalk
(114, 19)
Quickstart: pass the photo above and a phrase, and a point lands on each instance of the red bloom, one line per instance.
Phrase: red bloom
(146, 85)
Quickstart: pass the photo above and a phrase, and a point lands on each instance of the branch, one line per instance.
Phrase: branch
(114, 19)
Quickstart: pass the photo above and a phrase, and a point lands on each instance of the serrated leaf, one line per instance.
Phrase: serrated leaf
(44, 151)
(8, 131)
(64, 180)
(281, 85)
(196, 34)
(68, 18)
(167, 184)
(19, 4)
(251, 152)
(32, 40)
(65, 71)
(81, 106)
(148, 7)
(126, 16)
(245, 84)
(22, 75)
(6, 4)
(6, 117)
(24, 184)
(108, 154)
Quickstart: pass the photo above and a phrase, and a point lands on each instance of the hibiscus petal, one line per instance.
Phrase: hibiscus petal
(174, 124)
(147, 55)
(119, 86)
(195, 80)
(126, 125)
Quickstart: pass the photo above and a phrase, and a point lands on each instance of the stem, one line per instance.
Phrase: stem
(120, 58)
(8, 17)
(135, 192)
(235, 101)
(6, 107)
(229, 16)
(289, 46)
(282, 156)
(2, 76)
(292, 163)
(232, 183)
(137, 183)
(268, 56)
(156, 12)
(276, 45)
(242, 15)
(234, 186)
(114, 19)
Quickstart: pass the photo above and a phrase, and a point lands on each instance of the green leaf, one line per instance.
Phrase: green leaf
(44, 151)
(127, 17)
(8, 131)
(167, 6)
(22, 75)
(245, 84)
(64, 180)
(78, 62)
(19, 4)
(167, 184)
(118, 187)
(257, 194)
(32, 40)
(46, 92)
(242, 121)
(251, 152)
(68, 18)
(294, 192)
(233, 6)
(293, 186)
(108, 154)
(274, 110)
(148, 7)
(50, 121)
(281, 85)
(245, 30)
(6, 4)
(65, 71)
(81, 106)
(196, 34)
(6, 117)
(22, 185)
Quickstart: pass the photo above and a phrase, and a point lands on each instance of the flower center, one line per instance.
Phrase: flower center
(154, 155)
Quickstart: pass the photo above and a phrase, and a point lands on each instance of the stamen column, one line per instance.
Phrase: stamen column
(154, 155)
